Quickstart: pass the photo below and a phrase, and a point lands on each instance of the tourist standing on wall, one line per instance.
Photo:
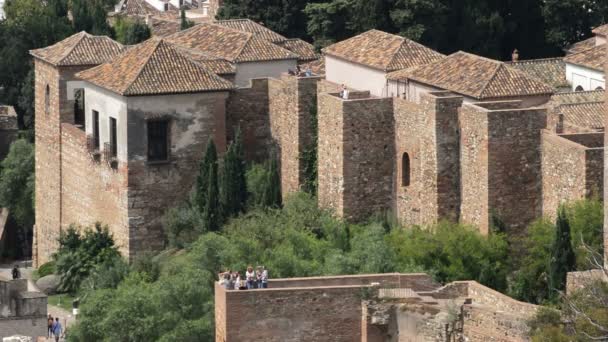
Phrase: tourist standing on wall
(16, 272)
(250, 278)
(262, 277)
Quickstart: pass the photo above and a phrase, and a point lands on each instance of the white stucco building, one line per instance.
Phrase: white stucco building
(585, 70)
(362, 62)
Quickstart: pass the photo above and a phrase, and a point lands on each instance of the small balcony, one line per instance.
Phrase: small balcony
(93, 147)
(109, 155)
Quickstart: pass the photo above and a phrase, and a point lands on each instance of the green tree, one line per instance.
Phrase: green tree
(202, 181)
(17, 183)
(184, 22)
(29, 24)
(233, 189)
(212, 218)
(563, 259)
(79, 254)
(129, 31)
(329, 22)
(309, 156)
(271, 197)
(90, 16)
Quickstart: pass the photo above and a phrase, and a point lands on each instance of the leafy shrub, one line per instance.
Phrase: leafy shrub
(79, 254)
(183, 225)
(46, 269)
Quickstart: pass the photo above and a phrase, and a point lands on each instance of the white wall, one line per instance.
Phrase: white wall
(158, 4)
(246, 71)
(587, 78)
(356, 76)
(108, 105)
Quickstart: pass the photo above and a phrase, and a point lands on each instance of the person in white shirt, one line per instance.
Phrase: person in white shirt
(250, 278)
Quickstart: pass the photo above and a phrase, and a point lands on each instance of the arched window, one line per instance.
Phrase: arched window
(47, 99)
(579, 88)
(405, 169)
(599, 88)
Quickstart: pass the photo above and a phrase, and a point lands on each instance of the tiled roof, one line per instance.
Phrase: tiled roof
(474, 76)
(162, 27)
(141, 8)
(593, 58)
(577, 97)
(589, 115)
(383, 51)
(317, 66)
(303, 49)
(215, 64)
(230, 44)
(601, 30)
(551, 71)
(248, 25)
(80, 49)
(154, 67)
(581, 46)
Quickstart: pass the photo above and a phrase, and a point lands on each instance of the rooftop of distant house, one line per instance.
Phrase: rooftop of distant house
(601, 30)
(80, 49)
(586, 115)
(551, 71)
(230, 44)
(248, 25)
(577, 97)
(474, 76)
(154, 67)
(593, 58)
(7, 111)
(384, 51)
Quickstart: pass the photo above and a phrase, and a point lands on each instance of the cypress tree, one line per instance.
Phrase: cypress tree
(233, 189)
(563, 258)
(185, 23)
(202, 181)
(212, 212)
(241, 171)
(272, 194)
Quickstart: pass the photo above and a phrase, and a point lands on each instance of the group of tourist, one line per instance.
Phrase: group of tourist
(54, 328)
(301, 73)
(254, 279)
(344, 92)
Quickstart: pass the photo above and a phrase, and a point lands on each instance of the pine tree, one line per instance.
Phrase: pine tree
(563, 259)
(202, 181)
(212, 212)
(271, 196)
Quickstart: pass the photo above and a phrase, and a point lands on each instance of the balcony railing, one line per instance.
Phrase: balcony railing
(109, 156)
(93, 147)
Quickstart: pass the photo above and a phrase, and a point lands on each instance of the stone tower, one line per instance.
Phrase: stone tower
(55, 86)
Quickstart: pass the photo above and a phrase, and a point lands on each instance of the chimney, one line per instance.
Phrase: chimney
(515, 56)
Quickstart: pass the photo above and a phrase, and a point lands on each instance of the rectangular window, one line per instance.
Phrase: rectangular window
(158, 140)
(96, 129)
(79, 107)
(113, 138)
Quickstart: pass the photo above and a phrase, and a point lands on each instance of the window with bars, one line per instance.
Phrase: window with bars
(113, 138)
(158, 140)
(79, 107)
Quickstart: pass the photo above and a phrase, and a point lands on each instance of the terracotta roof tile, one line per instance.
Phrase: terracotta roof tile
(215, 64)
(154, 67)
(577, 97)
(551, 71)
(248, 25)
(230, 44)
(383, 51)
(601, 30)
(587, 115)
(80, 49)
(581, 46)
(593, 58)
(474, 76)
(141, 8)
(303, 49)
(162, 27)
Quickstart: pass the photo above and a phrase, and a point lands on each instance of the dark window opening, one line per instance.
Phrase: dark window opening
(579, 88)
(47, 99)
(158, 140)
(405, 170)
(79, 107)
(166, 7)
(599, 88)
(113, 138)
(96, 129)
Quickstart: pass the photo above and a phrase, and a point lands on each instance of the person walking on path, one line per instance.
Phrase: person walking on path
(57, 329)
(50, 323)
